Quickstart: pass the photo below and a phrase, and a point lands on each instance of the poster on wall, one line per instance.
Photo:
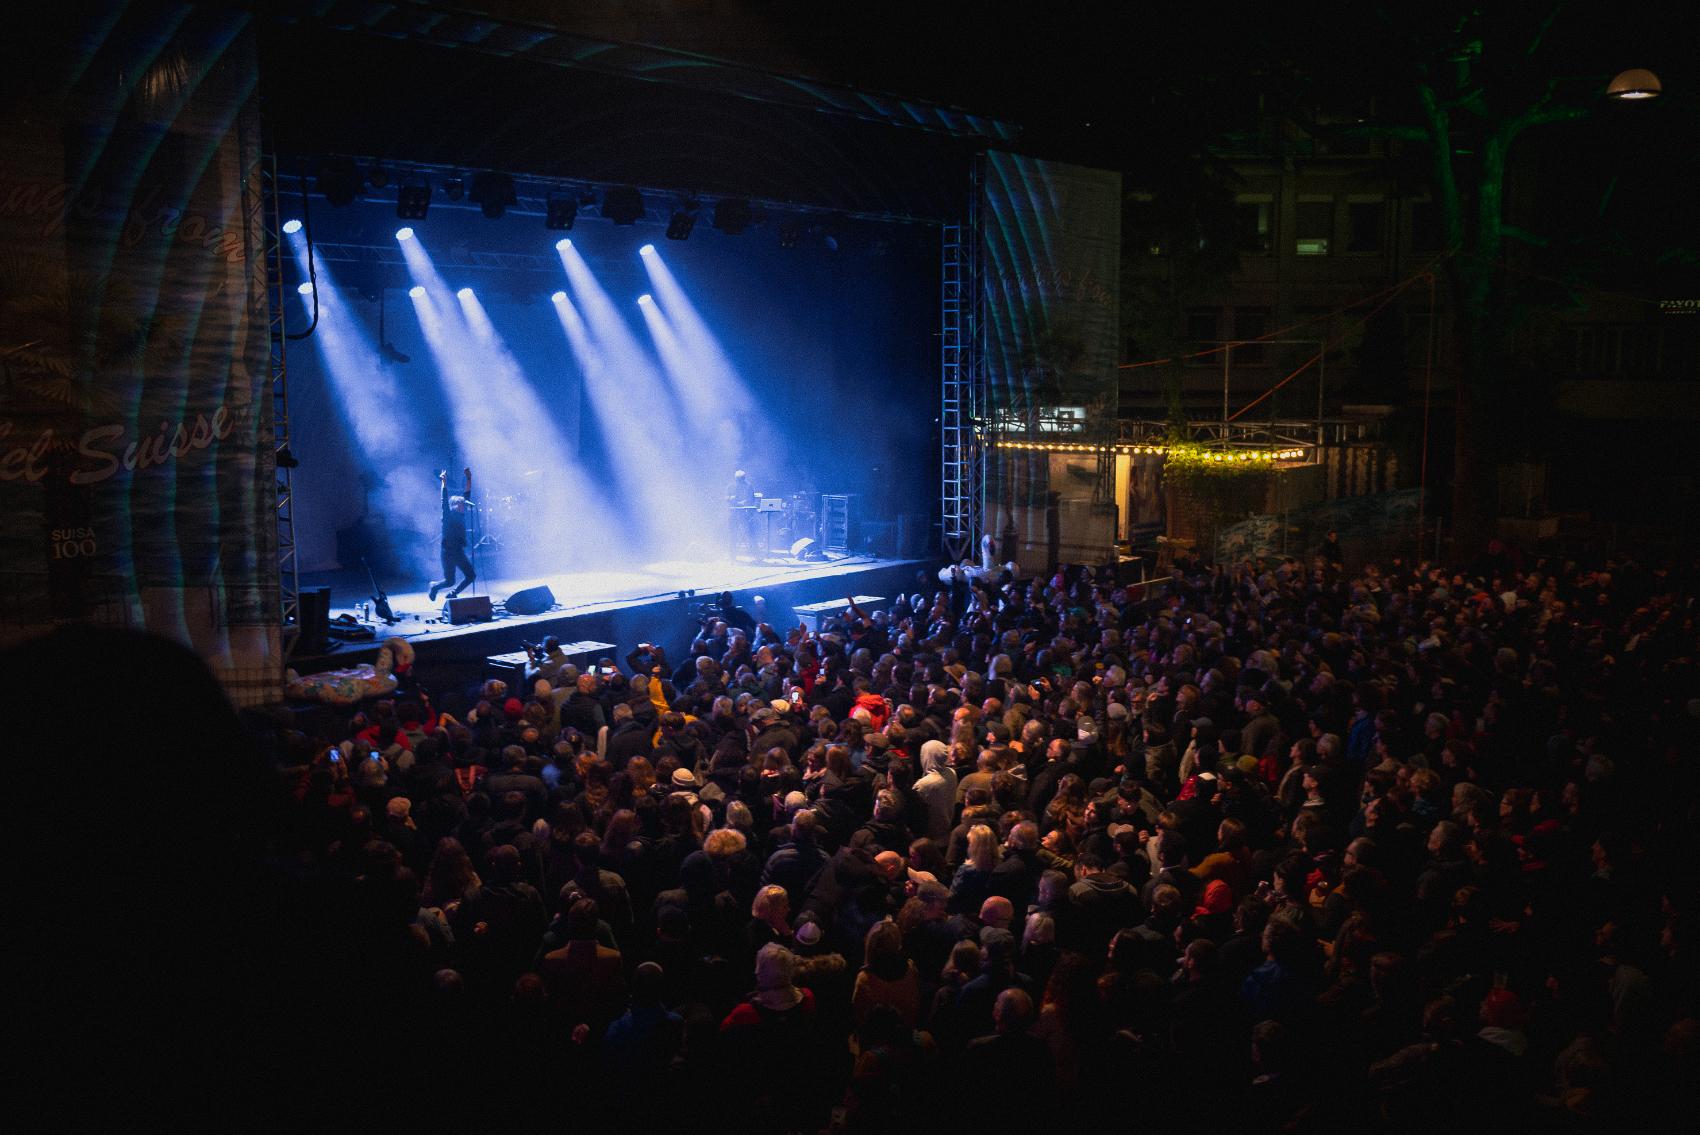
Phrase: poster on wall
(136, 469)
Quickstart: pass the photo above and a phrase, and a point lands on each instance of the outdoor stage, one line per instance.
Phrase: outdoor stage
(654, 603)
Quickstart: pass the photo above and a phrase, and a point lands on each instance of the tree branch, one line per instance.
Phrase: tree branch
(1525, 237)
(1550, 114)
(1541, 32)
(1445, 178)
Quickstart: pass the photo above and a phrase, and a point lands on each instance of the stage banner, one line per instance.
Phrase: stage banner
(136, 445)
(1049, 309)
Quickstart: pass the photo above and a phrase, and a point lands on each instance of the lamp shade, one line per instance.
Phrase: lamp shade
(1635, 83)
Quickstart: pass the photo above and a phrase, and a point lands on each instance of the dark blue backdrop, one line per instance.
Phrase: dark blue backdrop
(838, 345)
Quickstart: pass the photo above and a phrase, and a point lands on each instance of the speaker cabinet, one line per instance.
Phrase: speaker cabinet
(531, 601)
(469, 609)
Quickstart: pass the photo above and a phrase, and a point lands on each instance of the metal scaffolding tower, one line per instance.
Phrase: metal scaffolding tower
(288, 566)
(961, 397)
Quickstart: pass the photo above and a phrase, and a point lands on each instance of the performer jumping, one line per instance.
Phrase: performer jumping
(454, 538)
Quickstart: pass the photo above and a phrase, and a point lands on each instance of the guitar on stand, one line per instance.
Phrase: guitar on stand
(380, 601)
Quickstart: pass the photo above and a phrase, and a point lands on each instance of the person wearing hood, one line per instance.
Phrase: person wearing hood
(879, 713)
(937, 789)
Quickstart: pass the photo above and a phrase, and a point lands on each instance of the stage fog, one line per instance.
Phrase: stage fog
(602, 384)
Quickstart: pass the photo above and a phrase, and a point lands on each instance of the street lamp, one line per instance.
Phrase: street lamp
(1635, 83)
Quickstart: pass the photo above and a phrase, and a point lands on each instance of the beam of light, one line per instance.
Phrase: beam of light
(372, 401)
(719, 437)
(681, 506)
(507, 436)
(709, 372)
(624, 431)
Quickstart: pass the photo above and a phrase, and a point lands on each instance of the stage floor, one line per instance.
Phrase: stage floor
(588, 593)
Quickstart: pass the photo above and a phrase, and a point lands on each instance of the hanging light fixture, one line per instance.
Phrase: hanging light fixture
(1635, 83)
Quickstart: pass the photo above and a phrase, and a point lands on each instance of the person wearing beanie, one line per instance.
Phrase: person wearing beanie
(824, 972)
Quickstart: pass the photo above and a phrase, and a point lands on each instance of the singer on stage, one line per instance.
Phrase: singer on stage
(454, 539)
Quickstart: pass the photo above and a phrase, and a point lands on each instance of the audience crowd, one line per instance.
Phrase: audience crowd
(1276, 845)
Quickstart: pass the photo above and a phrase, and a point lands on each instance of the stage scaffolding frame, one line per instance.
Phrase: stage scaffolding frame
(962, 395)
(288, 562)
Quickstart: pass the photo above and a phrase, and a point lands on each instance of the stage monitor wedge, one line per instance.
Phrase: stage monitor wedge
(469, 609)
(531, 601)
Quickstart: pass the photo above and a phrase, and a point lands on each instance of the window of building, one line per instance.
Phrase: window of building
(1365, 225)
(1425, 227)
(1313, 222)
(1249, 323)
(1254, 225)
(1203, 331)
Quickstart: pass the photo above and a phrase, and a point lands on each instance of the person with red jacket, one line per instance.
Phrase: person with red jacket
(878, 711)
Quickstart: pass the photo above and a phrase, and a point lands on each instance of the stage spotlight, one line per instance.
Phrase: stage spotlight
(412, 202)
(454, 188)
(732, 216)
(559, 213)
(465, 293)
(790, 233)
(559, 297)
(563, 244)
(645, 299)
(417, 291)
(305, 288)
(339, 180)
(647, 250)
(492, 193)
(290, 228)
(623, 205)
(683, 220)
(404, 233)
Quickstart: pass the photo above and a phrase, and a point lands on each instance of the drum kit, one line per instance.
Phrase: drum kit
(498, 515)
